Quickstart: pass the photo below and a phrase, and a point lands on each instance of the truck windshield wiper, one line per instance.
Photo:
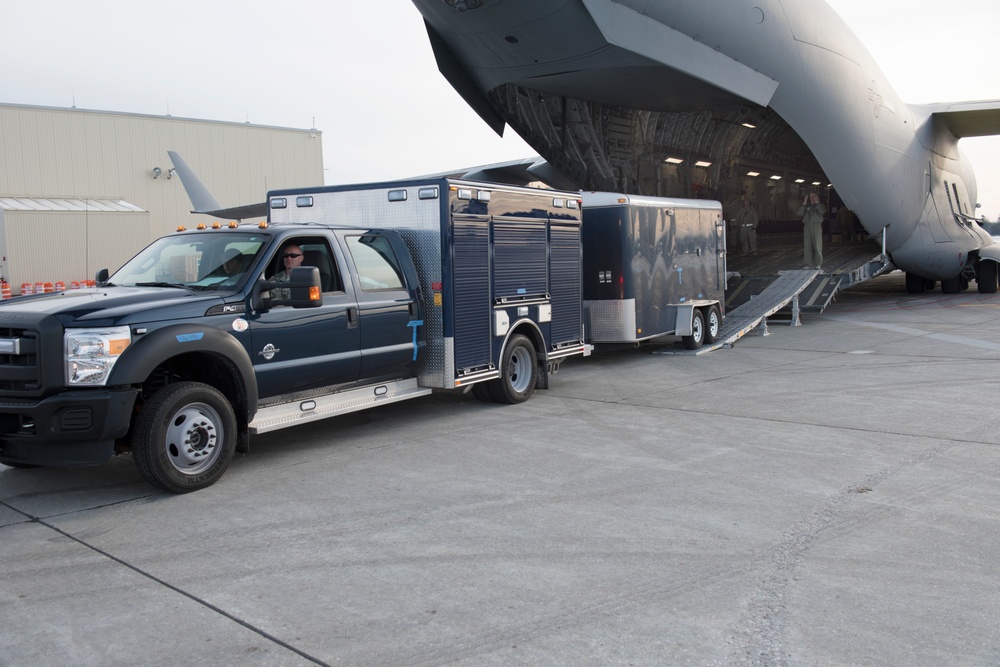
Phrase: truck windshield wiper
(161, 284)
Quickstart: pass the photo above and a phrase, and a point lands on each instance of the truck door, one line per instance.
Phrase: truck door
(298, 349)
(389, 309)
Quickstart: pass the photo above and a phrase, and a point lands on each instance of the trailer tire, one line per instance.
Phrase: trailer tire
(186, 413)
(697, 337)
(713, 324)
(518, 372)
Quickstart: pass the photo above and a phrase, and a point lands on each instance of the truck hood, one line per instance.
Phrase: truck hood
(110, 306)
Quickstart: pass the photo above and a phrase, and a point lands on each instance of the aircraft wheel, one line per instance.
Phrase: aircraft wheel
(713, 324)
(915, 284)
(518, 372)
(951, 285)
(697, 337)
(986, 280)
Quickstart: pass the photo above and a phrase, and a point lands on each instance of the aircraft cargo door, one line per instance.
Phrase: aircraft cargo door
(472, 307)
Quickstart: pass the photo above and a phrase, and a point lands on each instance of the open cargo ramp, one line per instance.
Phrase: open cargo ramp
(763, 286)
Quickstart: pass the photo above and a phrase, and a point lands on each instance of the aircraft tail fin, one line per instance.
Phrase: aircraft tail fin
(204, 201)
(968, 119)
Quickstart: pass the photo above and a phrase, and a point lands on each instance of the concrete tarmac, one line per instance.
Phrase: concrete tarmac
(824, 495)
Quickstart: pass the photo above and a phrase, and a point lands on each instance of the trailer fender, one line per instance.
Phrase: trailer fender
(684, 324)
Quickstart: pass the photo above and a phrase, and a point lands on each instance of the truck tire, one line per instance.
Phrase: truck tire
(184, 437)
(697, 337)
(483, 392)
(518, 372)
(713, 324)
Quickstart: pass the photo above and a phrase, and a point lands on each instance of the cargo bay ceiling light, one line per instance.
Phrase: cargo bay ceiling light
(702, 163)
(674, 160)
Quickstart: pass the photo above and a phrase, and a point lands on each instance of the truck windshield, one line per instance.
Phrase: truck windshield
(201, 261)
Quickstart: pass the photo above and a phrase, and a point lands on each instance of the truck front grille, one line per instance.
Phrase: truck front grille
(19, 369)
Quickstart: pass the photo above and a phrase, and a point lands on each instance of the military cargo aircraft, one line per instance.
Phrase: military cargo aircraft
(723, 98)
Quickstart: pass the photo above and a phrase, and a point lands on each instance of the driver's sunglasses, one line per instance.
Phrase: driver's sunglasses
(292, 254)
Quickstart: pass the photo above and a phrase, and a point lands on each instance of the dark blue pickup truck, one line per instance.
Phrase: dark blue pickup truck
(347, 298)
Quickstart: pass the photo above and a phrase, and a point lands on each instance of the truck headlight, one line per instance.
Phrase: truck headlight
(92, 353)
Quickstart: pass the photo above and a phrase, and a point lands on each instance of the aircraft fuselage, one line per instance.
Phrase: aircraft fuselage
(896, 166)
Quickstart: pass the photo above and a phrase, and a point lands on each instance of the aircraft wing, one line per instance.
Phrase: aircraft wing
(239, 212)
(514, 172)
(970, 119)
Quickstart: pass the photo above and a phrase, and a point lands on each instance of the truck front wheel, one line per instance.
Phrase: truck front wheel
(184, 437)
(518, 372)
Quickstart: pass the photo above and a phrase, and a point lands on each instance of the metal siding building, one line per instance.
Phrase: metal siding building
(105, 161)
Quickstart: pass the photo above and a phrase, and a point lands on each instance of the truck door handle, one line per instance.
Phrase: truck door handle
(352, 317)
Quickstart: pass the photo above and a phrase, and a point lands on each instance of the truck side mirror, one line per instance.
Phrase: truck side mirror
(302, 290)
(102, 276)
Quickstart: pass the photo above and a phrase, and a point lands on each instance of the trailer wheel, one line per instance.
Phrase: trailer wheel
(986, 280)
(184, 437)
(713, 324)
(518, 372)
(697, 337)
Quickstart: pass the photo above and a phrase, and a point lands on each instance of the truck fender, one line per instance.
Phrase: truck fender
(152, 349)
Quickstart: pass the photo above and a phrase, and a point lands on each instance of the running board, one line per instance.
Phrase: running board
(298, 412)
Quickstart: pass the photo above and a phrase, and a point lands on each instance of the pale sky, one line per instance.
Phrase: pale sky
(363, 72)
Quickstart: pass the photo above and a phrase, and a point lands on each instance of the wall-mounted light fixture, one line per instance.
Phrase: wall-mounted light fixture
(171, 172)
(156, 172)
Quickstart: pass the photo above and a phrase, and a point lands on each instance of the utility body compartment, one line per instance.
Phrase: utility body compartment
(493, 261)
(651, 266)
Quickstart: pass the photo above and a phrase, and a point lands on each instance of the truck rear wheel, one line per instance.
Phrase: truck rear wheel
(184, 437)
(518, 372)
(484, 392)
(697, 337)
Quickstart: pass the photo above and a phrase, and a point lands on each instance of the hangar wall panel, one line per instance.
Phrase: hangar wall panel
(42, 246)
(66, 153)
